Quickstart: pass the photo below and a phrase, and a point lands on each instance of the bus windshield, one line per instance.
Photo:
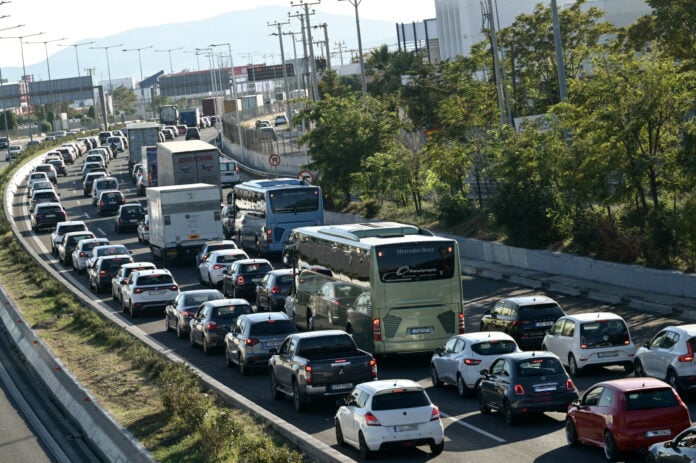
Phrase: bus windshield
(415, 262)
(294, 200)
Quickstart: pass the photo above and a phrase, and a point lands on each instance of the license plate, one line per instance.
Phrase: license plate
(50, 216)
(544, 387)
(341, 386)
(255, 280)
(658, 433)
(156, 292)
(543, 324)
(405, 427)
(272, 344)
(421, 330)
(607, 354)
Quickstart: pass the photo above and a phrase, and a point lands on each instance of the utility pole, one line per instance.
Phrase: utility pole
(326, 44)
(488, 15)
(340, 46)
(305, 71)
(356, 4)
(560, 63)
(285, 69)
(315, 84)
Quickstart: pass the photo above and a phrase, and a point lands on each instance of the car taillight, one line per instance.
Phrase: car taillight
(462, 323)
(123, 200)
(373, 368)
(689, 357)
(138, 290)
(275, 290)
(102, 273)
(269, 236)
(187, 313)
(251, 341)
(173, 288)
(146, 227)
(435, 414)
(101, 203)
(308, 373)
(569, 385)
(240, 280)
(472, 361)
(82, 254)
(218, 267)
(203, 257)
(211, 326)
(371, 420)
(519, 389)
(376, 330)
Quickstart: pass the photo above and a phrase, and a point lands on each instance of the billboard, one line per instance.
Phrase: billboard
(9, 96)
(256, 73)
(61, 90)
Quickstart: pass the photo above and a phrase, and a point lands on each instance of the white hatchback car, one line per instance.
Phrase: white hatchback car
(148, 289)
(463, 357)
(83, 251)
(595, 338)
(388, 413)
(670, 355)
(210, 270)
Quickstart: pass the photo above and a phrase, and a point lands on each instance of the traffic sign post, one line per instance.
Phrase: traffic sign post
(306, 175)
(274, 160)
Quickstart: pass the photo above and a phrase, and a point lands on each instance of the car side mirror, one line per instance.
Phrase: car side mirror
(668, 444)
(225, 272)
(646, 344)
(273, 351)
(439, 351)
(342, 401)
(484, 372)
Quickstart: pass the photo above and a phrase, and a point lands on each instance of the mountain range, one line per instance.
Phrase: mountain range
(247, 31)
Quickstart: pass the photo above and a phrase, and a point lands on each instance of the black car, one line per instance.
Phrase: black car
(128, 216)
(59, 165)
(273, 289)
(241, 278)
(110, 201)
(213, 320)
(69, 243)
(524, 318)
(681, 448)
(100, 274)
(525, 382)
(192, 133)
(47, 215)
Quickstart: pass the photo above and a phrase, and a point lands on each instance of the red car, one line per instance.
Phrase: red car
(626, 415)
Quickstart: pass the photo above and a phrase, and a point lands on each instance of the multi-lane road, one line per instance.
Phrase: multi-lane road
(470, 437)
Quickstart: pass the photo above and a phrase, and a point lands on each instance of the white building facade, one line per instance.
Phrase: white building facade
(459, 22)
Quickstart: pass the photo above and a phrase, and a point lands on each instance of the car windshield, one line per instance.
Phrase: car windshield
(400, 398)
(494, 347)
(539, 366)
(653, 398)
(272, 327)
(603, 333)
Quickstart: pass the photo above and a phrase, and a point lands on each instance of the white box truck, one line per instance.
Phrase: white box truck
(185, 162)
(139, 135)
(182, 218)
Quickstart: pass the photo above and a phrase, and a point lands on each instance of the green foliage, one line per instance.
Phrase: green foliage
(11, 119)
(218, 430)
(124, 99)
(675, 24)
(46, 126)
(181, 395)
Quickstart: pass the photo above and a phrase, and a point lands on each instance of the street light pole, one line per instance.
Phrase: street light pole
(285, 69)
(140, 62)
(237, 116)
(170, 50)
(4, 111)
(48, 67)
(108, 64)
(77, 58)
(356, 4)
(24, 73)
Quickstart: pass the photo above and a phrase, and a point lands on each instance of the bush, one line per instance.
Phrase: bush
(46, 126)
(218, 430)
(453, 209)
(182, 395)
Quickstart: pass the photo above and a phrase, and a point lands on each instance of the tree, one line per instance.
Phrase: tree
(385, 69)
(11, 118)
(675, 24)
(124, 99)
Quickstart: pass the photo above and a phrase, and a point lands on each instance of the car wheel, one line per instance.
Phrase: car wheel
(484, 409)
(638, 369)
(672, 380)
(191, 339)
(167, 327)
(310, 321)
(297, 400)
(228, 358)
(243, 370)
(133, 311)
(206, 347)
(140, 240)
(509, 415)
(571, 433)
(461, 387)
(628, 367)
(123, 306)
(610, 450)
(200, 278)
(436, 449)
(275, 392)
(210, 282)
(365, 452)
(339, 434)
(573, 366)
(179, 332)
(434, 377)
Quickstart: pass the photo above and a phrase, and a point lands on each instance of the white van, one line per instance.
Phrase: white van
(229, 172)
(102, 184)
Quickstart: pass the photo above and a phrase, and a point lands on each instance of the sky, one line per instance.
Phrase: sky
(74, 20)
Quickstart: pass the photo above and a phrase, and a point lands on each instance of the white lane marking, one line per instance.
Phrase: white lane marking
(473, 428)
(101, 231)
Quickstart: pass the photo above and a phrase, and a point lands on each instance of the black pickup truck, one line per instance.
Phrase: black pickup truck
(318, 364)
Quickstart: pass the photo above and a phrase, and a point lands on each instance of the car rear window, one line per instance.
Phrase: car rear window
(653, 398)
(533, 312)
(149, 280)
(272, 327)
(107, 184)
(112, 250)
(398, 399)
(112, 265)
(494, 347)
(284, 280)
(50, 209)
(256, 268)
(230, 312)
(71, 228)
(539, 366)
(604, 333)
(218, 247)
(228, 259)
(198, 299)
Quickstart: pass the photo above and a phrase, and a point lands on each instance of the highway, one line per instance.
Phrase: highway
(470, 437)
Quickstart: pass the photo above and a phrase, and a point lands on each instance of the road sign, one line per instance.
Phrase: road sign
(306, 175)
(274, 160)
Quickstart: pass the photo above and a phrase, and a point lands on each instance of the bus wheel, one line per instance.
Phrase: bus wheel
(310, 321)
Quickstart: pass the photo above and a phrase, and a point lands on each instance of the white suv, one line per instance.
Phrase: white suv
(595, 338)
(669, 355)
(83, 251)
(148, 289)
(61, 229)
